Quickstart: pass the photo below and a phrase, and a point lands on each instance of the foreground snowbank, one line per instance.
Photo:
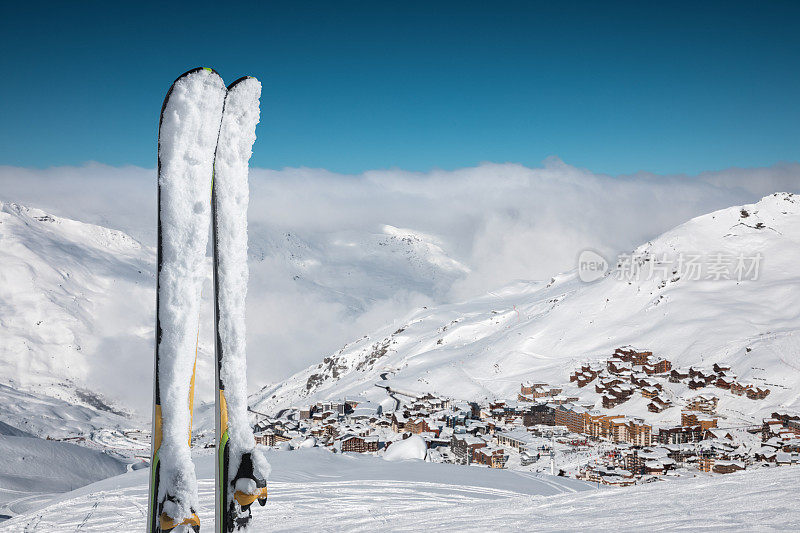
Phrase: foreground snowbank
(361, 493)
(413, 447)
(31, 467)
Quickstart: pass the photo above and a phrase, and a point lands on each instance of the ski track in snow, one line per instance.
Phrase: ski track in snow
(748, 501)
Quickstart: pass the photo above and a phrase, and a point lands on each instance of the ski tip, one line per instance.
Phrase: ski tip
(240, 80)
(197, 69)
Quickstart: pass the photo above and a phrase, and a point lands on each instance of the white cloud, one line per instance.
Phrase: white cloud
(503, 221)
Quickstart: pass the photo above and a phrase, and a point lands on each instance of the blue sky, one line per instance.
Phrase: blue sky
(349, 87)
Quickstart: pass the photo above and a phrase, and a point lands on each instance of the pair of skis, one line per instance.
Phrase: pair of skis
(205, 139)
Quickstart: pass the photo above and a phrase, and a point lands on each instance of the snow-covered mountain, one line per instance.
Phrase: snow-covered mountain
(485, 347)
(356, 268)
(76, 308)
(77, 301)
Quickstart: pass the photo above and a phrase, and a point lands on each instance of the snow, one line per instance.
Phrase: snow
(45, 416)
(71, 298)
(78, 301)
(485, 347)
(411, 448)
(33, 469)
(187, 140)
(234, 148)
(362, 493)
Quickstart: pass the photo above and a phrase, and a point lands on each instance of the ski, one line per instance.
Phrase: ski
(241, 469)
(187, 135)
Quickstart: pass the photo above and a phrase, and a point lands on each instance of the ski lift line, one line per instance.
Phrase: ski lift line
(258, 413)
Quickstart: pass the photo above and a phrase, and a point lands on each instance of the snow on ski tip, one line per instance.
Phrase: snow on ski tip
(237, 135)
(241, 467)
(188, 131)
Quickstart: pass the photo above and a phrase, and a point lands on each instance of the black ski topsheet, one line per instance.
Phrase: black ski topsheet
(153, 506)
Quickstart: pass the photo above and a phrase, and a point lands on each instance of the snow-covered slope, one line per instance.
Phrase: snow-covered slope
(333, 492)
(359, 267)
(45, 416)
(540, 330)
(77, 300)
(32, 470)
(71, 302)
(302, 483)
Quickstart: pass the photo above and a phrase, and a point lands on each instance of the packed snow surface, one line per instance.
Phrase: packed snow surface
(234, 148)
(362, 493)
(33, 469)
(186, 144)
(411, 448)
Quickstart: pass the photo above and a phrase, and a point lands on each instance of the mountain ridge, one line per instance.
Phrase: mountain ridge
(483, 348)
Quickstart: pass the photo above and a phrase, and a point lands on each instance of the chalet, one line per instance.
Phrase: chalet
(615, 366)
(490, 456)
(270, 438)
(695, 383)
(517, 438)
(540, 414)
(727, 467)
(639, 379)
(464, 445)
(597, 425)
(757, 393)
(721, 367)
(528, 387)
(677, 375)
(632, 356)
(791, 421)
(714, 433)
(561, 400)
(422, 425)
(570, 416)
(337, 408)
(724, 382)
(696, 418)
(659, 365)
(658, 404)
(679, 434)
(585, 378)
(532, 391)
(649, 392)
(616, 395)
(398, 422)
(766, 454)
(606, 383)
(705, 403)
(359, 444)
(771, 428)
(785, 458)
(740, 389)
(705, 462)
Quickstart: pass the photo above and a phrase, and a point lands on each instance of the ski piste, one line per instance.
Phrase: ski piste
(187, 138)
(241, 469)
